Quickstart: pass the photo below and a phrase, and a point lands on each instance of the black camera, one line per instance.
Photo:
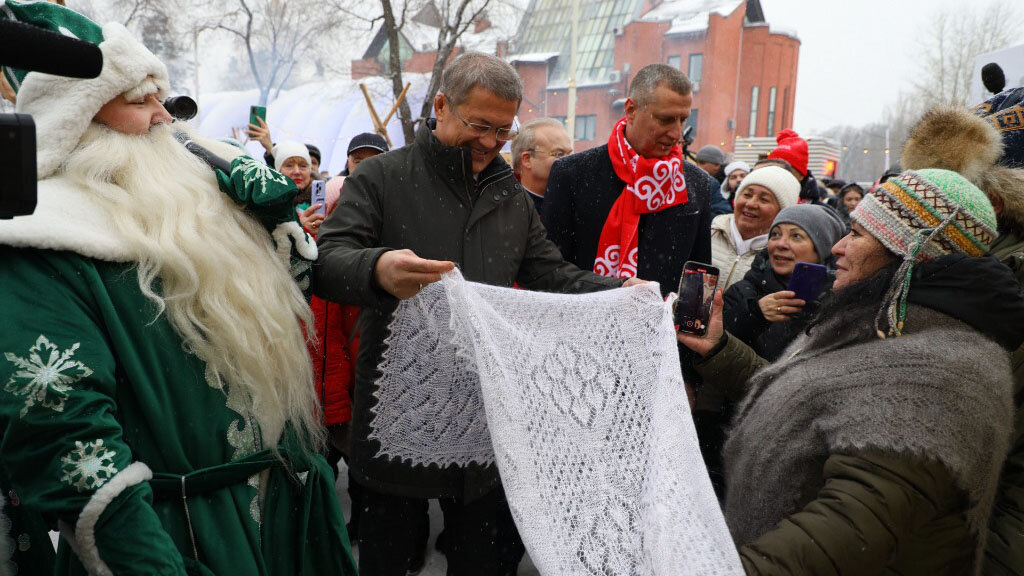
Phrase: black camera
(181, 107)
(18, 165)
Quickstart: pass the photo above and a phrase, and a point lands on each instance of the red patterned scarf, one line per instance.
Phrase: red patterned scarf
(652, 184)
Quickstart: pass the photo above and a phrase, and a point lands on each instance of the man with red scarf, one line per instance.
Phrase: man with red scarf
(635, 207)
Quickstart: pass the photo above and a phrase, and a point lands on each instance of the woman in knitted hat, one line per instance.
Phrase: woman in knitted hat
(761, 312)
(736, 237)
(292, 159)
(874, 444)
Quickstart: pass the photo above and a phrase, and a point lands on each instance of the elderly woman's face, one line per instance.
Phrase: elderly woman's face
(756, 208)
(860, 255)
(297, 169)
(787, 245)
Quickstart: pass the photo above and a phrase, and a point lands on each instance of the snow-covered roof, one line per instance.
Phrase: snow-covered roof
(325, 114)
(689, 16)
(422, 37)
(785, 31)
(533, 57)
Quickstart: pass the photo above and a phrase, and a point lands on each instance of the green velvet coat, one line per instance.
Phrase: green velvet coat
(105, 420)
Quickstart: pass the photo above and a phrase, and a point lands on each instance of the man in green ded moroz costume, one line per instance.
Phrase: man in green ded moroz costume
(156, 396)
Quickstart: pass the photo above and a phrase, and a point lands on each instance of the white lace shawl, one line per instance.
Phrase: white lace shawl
(579, 400)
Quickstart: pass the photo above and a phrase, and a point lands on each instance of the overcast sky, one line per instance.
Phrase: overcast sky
(855, 55)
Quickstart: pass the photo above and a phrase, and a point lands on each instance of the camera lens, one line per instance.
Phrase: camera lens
(181, 107)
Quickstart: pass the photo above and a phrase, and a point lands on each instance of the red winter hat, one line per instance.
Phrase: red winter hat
(793, 149)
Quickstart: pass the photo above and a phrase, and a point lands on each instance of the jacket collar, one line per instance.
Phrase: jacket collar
(456, 162)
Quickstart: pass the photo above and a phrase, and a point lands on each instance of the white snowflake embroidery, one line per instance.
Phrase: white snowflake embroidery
(88, 466)
(260, 172)
(45, 382)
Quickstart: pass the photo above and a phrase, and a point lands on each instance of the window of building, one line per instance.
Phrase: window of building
(547, 27)
(692, 121)
(771, 112)
(754, 94)
(785, 107)
(673, 61)
(586, 127)
(696, 70)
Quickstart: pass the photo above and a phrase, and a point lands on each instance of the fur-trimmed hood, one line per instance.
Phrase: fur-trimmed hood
(955, 139)
(62, 108)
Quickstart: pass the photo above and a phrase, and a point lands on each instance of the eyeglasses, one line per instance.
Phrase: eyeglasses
(500, 134)
(552, 153)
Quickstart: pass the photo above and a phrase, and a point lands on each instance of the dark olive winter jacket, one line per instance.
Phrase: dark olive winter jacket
(855, 455)
(423, 197)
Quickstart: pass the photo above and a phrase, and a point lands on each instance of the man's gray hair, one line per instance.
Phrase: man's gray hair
(641, 89)
(527, 138)
(489, 72)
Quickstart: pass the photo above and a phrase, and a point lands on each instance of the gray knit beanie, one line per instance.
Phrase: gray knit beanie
(712, 154)
(821, 224)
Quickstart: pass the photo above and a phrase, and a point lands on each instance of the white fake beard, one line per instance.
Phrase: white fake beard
(221, 284)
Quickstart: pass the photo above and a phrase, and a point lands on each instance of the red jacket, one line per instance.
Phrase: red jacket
(334, 358)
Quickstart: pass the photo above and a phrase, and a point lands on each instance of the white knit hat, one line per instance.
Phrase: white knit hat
(778, 180)
(737, 165)
(289, 149)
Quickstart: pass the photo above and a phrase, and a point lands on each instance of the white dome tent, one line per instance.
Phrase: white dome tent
(326, 114)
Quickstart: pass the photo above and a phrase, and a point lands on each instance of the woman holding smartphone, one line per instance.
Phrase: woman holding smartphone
(874, 444)
(292, 159)
(760, 310)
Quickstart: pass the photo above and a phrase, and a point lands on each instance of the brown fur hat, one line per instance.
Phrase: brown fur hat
(955, 139)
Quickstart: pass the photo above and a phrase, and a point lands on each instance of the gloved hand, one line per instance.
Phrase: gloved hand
(267, 195)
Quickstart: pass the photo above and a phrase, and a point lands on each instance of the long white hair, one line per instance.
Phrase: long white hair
(211, 269)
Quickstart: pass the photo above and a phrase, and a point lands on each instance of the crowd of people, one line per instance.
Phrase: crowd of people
(189, 354)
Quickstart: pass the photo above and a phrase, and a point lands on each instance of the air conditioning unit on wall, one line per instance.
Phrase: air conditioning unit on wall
(730, 124)
(615, 76)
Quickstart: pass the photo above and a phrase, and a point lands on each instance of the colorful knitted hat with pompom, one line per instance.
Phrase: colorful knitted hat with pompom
(921, 215)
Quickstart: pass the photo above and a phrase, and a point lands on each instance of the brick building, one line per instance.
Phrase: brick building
(743, 70)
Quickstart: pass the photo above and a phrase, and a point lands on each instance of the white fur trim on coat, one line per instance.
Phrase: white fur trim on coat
(62, 108)
(85, 528)
(304, 243)
(67, 217)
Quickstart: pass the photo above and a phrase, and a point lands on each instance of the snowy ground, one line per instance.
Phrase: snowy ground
(436, 563)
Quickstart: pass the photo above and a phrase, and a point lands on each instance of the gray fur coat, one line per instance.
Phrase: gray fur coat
(941, 392)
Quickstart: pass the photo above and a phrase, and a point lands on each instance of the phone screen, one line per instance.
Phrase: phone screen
(318, 195)
(696, 295)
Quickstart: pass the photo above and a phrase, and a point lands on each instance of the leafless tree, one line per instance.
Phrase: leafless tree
(952, 40)
(277, 36)
(454, 18)
(162, 25)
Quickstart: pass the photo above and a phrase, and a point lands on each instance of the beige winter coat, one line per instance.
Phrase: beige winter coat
(732, 267)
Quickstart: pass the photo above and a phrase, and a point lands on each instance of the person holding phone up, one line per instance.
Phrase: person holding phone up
(761, 310)
(292, 159)
(764, 313)
(874, 444)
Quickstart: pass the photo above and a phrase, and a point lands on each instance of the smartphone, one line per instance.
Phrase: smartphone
(257, 112)
(318, 195)
(697, 288)
(807, 280)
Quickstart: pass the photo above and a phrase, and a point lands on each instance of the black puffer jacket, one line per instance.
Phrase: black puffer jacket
(742, 314)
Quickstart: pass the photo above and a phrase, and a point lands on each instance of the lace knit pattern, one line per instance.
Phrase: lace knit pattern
(579, 400)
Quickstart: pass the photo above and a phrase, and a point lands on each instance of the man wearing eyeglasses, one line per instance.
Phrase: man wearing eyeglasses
(404, 218)
(540, 142)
